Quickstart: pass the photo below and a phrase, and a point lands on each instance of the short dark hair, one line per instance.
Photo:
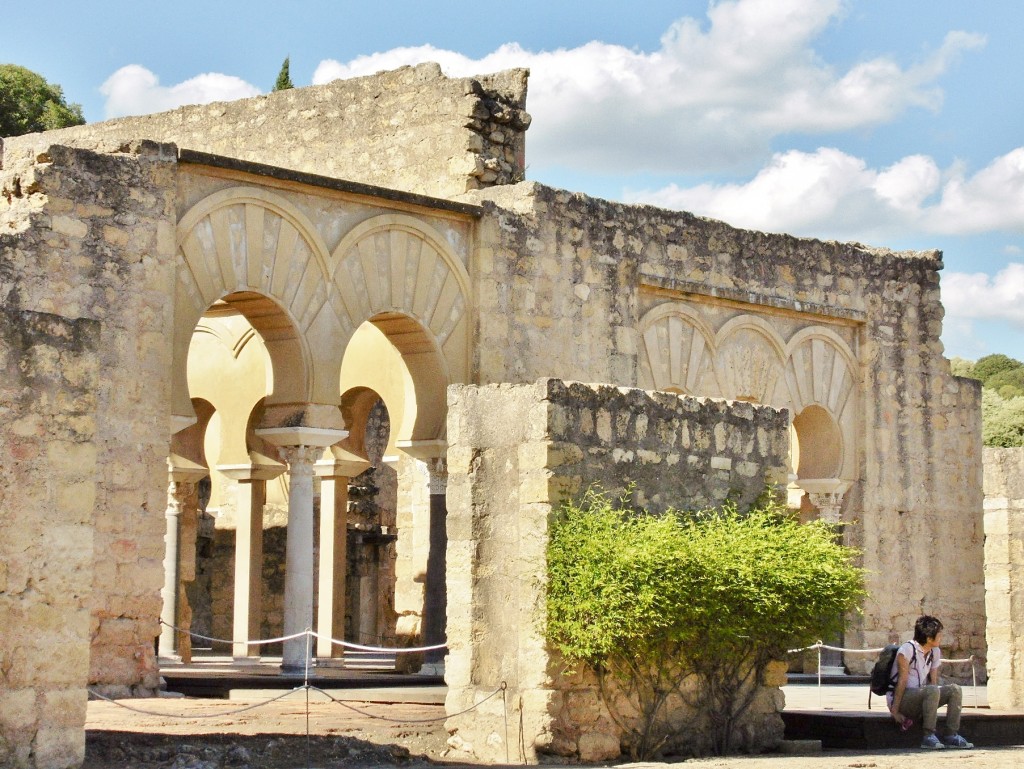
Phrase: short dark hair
(926, 627)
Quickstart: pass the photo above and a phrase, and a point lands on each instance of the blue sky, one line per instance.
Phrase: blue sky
(891, 123)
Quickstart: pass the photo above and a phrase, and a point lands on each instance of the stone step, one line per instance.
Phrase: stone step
(870, 731)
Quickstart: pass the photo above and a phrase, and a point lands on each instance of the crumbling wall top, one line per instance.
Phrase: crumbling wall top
(411, 129)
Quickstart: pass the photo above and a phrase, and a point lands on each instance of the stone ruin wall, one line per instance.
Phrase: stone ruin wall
(1004, 575)
(48, 399)
(411, 129)
(91, 237)
(515, 452)
(563, 281)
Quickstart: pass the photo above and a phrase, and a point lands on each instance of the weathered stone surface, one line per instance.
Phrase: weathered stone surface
(411, 129)
(48, 379)
(500, 500)
(1004, 575)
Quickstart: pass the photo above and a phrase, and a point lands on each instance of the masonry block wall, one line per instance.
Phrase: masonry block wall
(411, 129)
(515, 452)
(48, 398)
(1004, 575)
(574, 287)
(91, 236)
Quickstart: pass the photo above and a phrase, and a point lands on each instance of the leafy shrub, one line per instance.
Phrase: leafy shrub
(691, 606)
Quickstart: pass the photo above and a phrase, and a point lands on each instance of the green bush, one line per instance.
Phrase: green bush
(708, 600)
(1002, 419)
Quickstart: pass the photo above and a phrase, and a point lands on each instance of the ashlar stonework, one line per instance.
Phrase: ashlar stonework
(515, 453)
(262, 280)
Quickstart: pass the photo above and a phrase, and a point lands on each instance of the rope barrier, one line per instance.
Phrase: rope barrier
(192, 715)
(819, 646)
(335, 641)
(471, 708)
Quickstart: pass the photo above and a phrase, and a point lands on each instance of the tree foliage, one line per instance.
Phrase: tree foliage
(284, 78)
(991, 365)
(1002, 402)
(28, 103)
(692, 606)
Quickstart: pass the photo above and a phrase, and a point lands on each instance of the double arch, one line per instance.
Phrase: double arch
(252, 249)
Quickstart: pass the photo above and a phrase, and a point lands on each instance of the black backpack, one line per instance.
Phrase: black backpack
(882, 679)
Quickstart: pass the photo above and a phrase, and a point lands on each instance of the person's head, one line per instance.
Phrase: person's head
(927, 628)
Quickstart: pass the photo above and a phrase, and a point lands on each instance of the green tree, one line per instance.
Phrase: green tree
(29, 104)
(1009, 383)
(990, 365)
(1002, 419)
(284, 78)
(962, 367)
(690, 608)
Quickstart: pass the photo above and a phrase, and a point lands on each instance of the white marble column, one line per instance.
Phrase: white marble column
(334, 471)
(300, 447)
(247, 601)
(182, 475)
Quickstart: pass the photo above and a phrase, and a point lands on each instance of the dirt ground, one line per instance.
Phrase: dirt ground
(379, 735)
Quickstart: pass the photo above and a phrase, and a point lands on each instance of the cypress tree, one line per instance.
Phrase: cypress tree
(284, 78)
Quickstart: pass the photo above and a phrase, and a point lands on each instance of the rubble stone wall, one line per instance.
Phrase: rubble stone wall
(1004, 575)
(515, 452)
(410, 129)
(573, 287)
(91, 236)
(49, 386)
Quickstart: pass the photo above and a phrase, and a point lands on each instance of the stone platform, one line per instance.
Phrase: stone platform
(839, 716)
(220, 677)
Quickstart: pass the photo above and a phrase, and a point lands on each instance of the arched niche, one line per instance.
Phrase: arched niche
(818, 445)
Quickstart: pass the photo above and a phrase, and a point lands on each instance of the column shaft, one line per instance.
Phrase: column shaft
(298, 577)
(333, 560)
(248, 598)
(169, 592)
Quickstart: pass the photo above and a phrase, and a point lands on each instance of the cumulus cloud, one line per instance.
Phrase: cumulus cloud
(983, 297)
(829, 193)
(134, 90)
(712, 96)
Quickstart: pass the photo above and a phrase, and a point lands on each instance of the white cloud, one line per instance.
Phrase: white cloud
(134, 90)
(712, 96)
(980, 296)
(829, 193)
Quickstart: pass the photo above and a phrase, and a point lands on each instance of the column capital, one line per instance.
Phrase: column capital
(337, 462)
(438, 469)
(259, 468)
(181, 470)
(826, 494)
(315, 437)
(424, 449)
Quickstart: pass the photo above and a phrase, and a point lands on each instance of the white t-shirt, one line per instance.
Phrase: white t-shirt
(921, 664)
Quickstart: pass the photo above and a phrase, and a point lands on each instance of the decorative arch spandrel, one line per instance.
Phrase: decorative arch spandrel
(248, 241)
(395, 263)
(749, 356)
(678, 350)
(822, 372)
